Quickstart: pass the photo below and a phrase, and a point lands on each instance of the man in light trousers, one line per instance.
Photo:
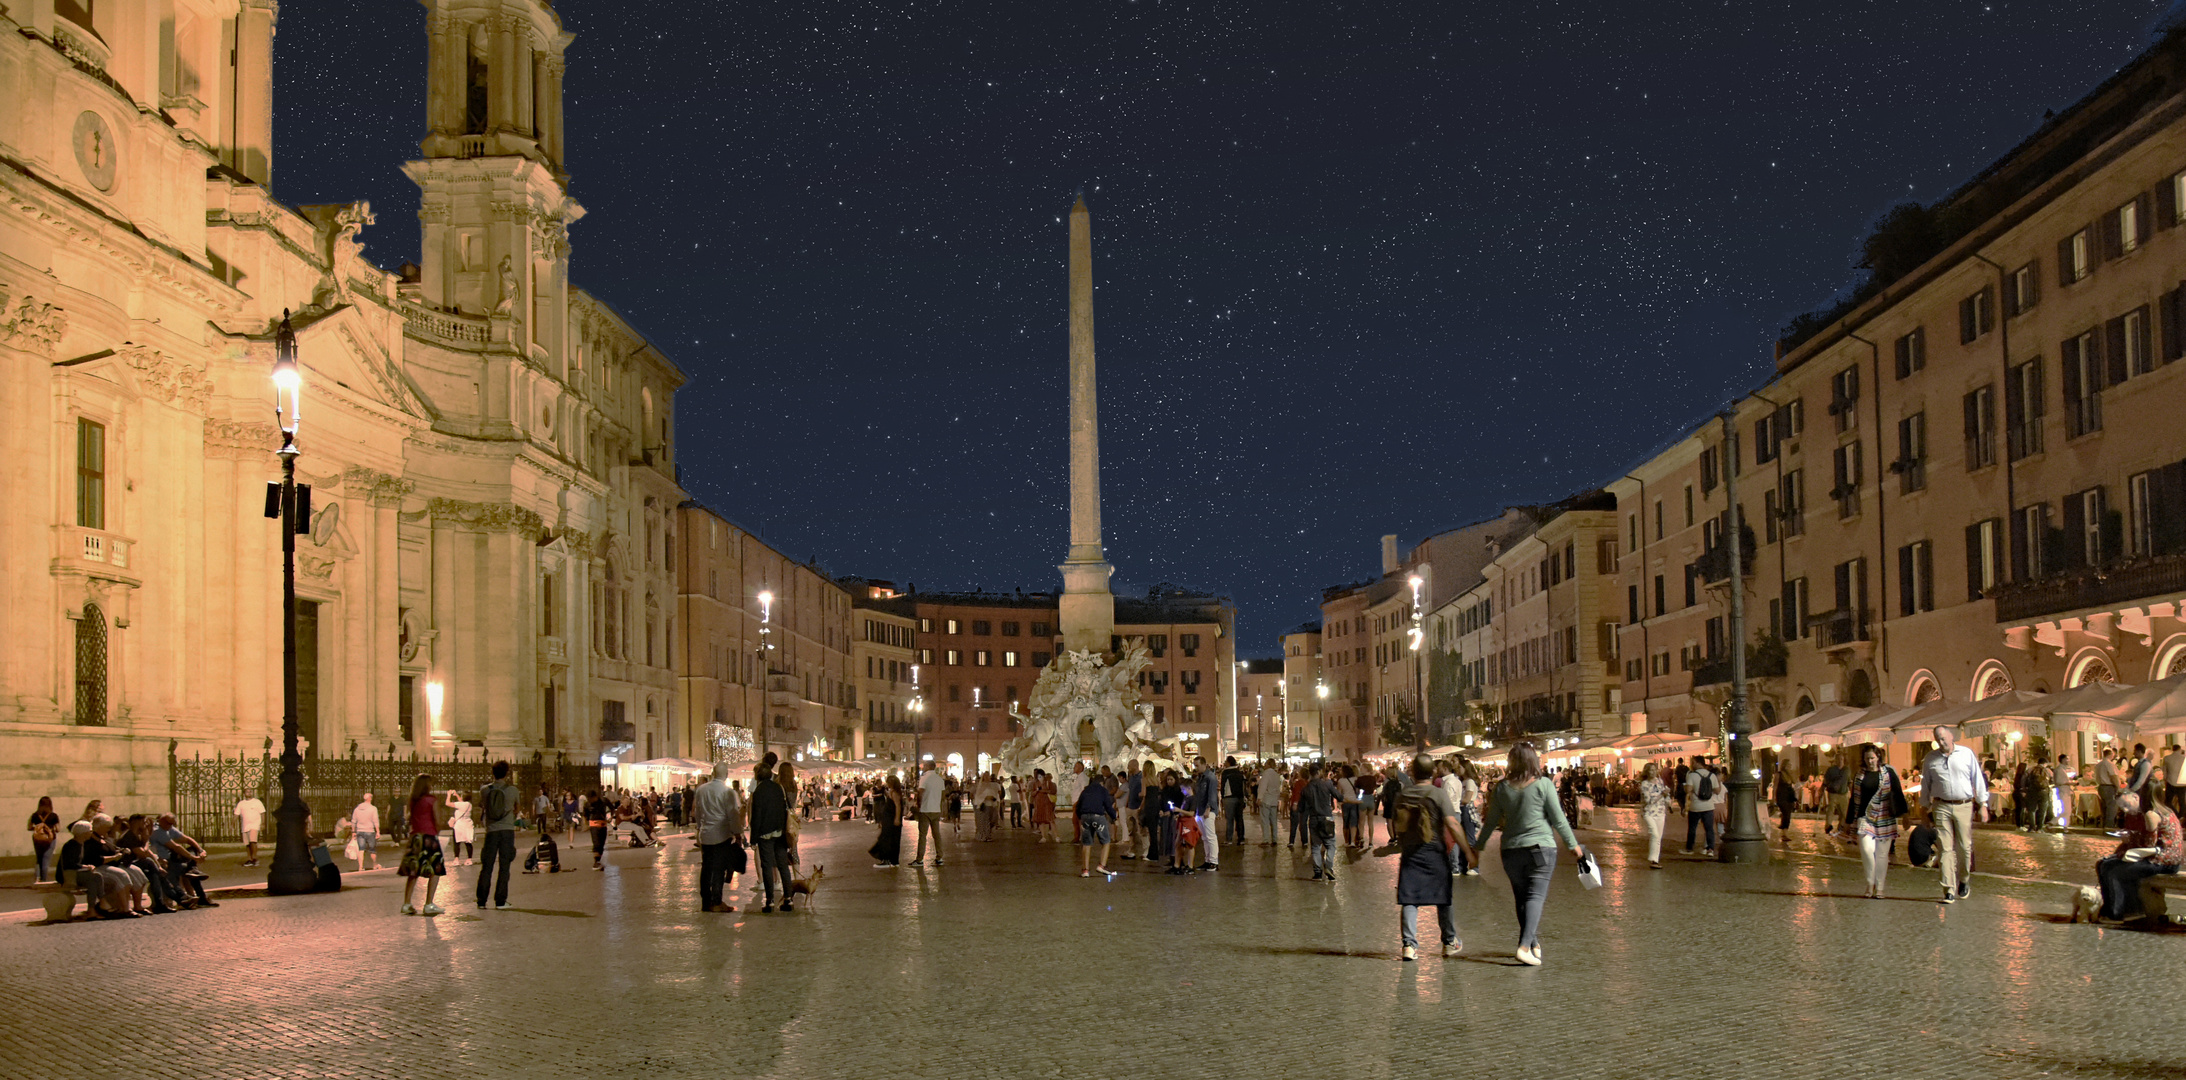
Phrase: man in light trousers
(1957, 795)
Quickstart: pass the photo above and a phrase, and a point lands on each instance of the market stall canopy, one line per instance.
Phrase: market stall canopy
(1445, 750)
(2157, 708)
(1887, 724)
(674, 764)
(1658, 744)
(1808, 728)
(2022, 711)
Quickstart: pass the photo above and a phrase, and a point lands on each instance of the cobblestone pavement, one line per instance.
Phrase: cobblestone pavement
(1004, 963)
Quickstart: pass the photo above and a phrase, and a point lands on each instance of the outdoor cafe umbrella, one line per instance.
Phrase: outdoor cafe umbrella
(1806, 728)
(2157, 708)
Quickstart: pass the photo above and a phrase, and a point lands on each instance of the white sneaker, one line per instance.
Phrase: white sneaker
(1410, 953)
(1453, 948)
(1473, 872)
(1529, 957)
(503, 906)
(409, 909)
(433, 909)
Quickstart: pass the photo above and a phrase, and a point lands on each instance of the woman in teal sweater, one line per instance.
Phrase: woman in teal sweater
(1524, 806)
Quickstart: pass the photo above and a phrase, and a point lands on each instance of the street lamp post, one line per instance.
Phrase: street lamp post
(766, 681)
(1320, 688)
(292, 871)
(1418, 634)
(1743, 840)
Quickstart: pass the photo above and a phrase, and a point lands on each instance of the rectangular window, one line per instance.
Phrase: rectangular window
(1632, 531)
(2088, 529)
(1009, 629)
(2126, 346)
(953, 627)
(1157, 644)
(982, 628)
(1039, 629)
(2081, 361)
(1976, 315)
(1844, 398)
(90, 474)
(1772, 517)
(953, 658)
(1791, 498)
(1632, 604)
(1009, 658)
(982, 658)
(1707, 471)
(1912, 463)
(925, 656)
(2141, 509)
(2074, 258)
(1795, 609)
(2024, 406)
(1039, 659)
(1658, 519)
(1984, 557)
(925, 626)
(1692, 584)
(2030, 542)
(1188, 644)
(2023, 289)
(1688, 506)
(1980, 416)
(1847, 476)
(1916, 578)
(1912, 352)
(1662, 596)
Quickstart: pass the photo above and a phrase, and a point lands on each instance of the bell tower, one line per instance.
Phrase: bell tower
(495, 209)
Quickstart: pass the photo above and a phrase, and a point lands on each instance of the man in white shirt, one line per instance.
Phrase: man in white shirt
(364, 820)
(1702, 789)
(252, 813)
(1957, 795)
(1073, 786)
(1270, 792)
(717, 821)
(932, 788)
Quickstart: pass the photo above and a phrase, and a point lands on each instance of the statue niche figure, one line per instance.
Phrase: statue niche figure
(510, 288)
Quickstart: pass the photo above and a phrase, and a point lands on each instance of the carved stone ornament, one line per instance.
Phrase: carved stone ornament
(168, 378)
(348, 222)
(1075, 688)
(509, 288)
(377, 487)
(316, 567)
(240, 439)
(487, 517)
(32, 325)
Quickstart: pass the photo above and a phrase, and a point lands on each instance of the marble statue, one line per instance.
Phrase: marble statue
(1076, 688)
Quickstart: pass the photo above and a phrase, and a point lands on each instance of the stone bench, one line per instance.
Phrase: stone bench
(60, 896)
(2152, 889)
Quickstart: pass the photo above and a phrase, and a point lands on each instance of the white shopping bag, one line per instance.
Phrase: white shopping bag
(1590, 872)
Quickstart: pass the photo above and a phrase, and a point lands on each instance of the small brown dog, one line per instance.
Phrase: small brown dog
(804, 886)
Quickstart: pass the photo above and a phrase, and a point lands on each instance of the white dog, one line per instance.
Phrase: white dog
(2087, 904)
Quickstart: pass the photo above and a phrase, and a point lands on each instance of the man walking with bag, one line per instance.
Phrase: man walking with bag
(1700, 795)
(932, 788)
(1957, 795)
(497, 801)
(1425, 831)
(716, 833)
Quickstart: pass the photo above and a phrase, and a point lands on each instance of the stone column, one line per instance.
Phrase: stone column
(554, 67)
(30, 331)
(501, 77)
(455, 76)
(252, 154)
(523, 76)
(542, 92)
(438, 89)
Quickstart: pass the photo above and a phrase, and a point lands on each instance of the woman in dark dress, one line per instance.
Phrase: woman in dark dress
(888, 810)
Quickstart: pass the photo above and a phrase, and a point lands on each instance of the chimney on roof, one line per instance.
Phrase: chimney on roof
(1389, 561)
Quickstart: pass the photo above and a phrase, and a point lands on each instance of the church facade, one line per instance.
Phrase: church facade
(491, 450)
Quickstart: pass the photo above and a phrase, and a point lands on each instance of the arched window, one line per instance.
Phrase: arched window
(1922, 688)
(2171, 659)
(1992, 679)
(91, 667)
(2091, 666)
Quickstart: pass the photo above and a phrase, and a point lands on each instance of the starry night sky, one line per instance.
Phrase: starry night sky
(1362, 267)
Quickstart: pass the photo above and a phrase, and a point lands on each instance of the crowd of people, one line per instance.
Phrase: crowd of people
(1435, 815)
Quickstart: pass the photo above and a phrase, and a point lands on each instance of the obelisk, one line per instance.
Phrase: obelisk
(1088, 609)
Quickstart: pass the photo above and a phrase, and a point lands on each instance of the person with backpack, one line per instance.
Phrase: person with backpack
(497, 803)
(1424, 831)
(1525, 807)
(1700, 793)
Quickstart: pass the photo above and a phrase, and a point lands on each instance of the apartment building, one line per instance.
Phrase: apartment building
(1989, 443)
(1261, 690)
(1304, 688)
(766, 660)
(883, 663)
(979, 654)
(1347, 723)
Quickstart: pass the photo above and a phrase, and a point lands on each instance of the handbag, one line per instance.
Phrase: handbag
(1590, 872)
